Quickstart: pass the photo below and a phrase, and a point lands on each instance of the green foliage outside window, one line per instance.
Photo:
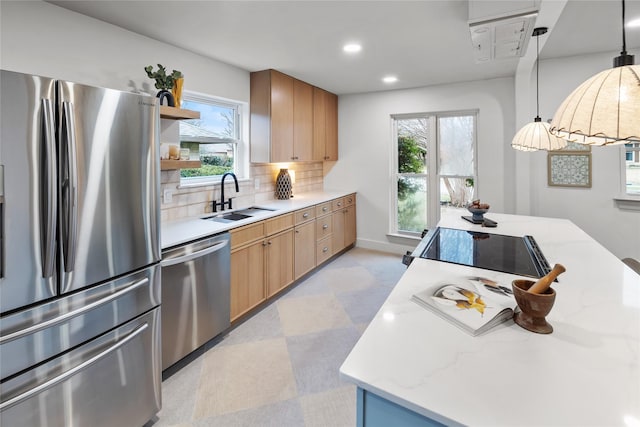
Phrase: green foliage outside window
(411, 158)
(210, 165)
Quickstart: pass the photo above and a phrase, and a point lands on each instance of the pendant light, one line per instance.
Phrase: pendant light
(535, 135)
(604, 110)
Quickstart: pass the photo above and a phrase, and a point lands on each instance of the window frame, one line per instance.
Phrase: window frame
(433, 174)
(240, 146)
(635, 148)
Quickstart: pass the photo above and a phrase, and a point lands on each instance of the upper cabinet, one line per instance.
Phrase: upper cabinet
(325, 125)
(286, 117)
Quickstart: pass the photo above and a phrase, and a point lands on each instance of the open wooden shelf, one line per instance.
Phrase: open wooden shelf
(179, 164)
(174, 113)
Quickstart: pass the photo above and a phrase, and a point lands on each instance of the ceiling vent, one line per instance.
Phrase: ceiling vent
(501, 29)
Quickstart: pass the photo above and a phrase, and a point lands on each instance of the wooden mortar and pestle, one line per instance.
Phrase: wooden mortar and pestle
(535, 300)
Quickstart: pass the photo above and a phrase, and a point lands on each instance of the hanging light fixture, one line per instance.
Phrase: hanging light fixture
(604, 110)
(535, 135)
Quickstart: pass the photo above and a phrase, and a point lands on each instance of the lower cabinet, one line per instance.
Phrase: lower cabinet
(247, 278)
(305, 248)
(261, 262)
(269, 255)
(343, 221)
(279, 262)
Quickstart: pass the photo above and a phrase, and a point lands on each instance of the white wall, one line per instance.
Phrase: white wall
(365, 138)
(40, 38)
(592, 209)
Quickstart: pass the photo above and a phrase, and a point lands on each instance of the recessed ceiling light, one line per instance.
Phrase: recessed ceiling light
(635, 23)
(352, 48)
(390, 79)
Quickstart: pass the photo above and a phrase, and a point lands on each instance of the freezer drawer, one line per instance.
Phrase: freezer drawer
(32, 336)
(111, 381)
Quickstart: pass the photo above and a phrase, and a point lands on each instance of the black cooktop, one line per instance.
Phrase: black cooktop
(509, 254)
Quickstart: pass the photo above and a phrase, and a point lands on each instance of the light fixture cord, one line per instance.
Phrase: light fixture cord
(624, 36)
(537, 75)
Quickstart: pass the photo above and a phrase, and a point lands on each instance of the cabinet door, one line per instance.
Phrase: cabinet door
(350, 225)
(331, 117)
(337, 221)
(281, 117)
(319, 123)
(247, 278)
(279, 262)
(302, 121)
(305, 248)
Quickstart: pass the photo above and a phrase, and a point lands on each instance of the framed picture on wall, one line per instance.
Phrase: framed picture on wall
(570, 167)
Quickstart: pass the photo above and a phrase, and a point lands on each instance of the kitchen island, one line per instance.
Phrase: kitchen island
(413, 368)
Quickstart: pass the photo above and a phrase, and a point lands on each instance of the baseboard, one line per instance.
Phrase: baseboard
(376, 245)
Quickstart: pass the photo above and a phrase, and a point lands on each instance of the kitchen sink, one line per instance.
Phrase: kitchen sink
(228, 217)
(253, 210)
(239, 214)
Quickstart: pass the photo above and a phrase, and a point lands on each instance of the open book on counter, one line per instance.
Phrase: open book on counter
(475, 304)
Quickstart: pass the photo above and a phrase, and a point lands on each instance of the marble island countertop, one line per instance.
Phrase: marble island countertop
(585, 373)
(188, 229)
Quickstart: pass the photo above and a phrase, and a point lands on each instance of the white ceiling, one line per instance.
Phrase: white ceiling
(422, 42)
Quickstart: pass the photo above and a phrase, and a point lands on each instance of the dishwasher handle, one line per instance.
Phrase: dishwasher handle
(188, 257)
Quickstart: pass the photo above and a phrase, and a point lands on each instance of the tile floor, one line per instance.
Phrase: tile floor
(281, 366)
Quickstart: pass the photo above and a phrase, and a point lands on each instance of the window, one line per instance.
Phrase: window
(632, 169)
(214, 139)
(434, 166)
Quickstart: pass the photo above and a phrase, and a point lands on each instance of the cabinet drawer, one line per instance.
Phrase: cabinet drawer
(323, 227)
(337, 204)
(304, 215)
(323, 209)
(247, 234)
(323, 250)
(278, 224)
(349, 200)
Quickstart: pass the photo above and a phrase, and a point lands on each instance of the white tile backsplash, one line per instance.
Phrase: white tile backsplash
(194, 201)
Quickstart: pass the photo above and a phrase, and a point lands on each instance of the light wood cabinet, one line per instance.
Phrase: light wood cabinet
(324, 226)
(349, 225)
(247, 278)
(261, 262)
(305, 248)
(281, 118)
(269, 255)
(343, 221)
(325, 125)
(324, 250)
(279, 262)
(302, 121)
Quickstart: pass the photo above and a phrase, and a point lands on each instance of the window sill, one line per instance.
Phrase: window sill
(630, 203)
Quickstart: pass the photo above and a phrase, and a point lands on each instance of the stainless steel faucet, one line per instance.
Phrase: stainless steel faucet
(222, 203)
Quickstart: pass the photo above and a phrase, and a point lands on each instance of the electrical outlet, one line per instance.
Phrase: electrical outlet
(256, 183)
(168, 196)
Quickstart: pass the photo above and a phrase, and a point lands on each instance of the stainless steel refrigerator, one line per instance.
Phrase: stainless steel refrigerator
(79, 254)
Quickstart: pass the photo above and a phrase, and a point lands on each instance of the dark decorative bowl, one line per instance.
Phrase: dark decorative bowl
(478, 214)
(533, 307)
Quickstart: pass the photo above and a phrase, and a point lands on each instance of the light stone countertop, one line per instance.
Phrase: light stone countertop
(184, 230)
(585, 373)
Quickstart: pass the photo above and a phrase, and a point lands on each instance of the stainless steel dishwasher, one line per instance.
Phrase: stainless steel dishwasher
(195, 295)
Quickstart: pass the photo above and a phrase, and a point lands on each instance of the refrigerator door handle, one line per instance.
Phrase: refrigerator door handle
(48, 323)
(198, 254)
(69, 187)
(71, 372)
(2, 252)
(50, 209)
